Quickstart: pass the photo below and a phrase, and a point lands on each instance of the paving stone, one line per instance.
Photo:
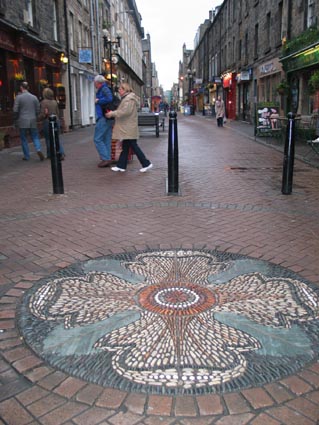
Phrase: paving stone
(46, 404)
(111, 398)
(289, 416)
(27, 363)
(242, 419)
(13, 413)
(264, 419)
(31, 395)
(122, 418)
(278, 392)
(53, 380)
(136, 403)
(92, 416)
(236, 403)
(38, 373)
(305, 407)
(296, 385)
(159, 405)
(185, 406)
(63, 414)
(89, 394)
(69, 387)
(209, 405)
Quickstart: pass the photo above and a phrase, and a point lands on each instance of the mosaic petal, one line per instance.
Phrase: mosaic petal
(190, 266)
(276, 302)
(85, 300)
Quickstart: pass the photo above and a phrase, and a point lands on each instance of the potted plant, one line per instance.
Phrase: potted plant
(313, 82)
(283, 87)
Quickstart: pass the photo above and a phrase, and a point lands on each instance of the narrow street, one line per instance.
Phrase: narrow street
(123, 305)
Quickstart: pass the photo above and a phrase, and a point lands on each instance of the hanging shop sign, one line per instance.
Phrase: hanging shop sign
(85, 55)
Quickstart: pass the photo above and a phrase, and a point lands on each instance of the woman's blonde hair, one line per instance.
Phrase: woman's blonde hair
(48, 93)
(126, 87)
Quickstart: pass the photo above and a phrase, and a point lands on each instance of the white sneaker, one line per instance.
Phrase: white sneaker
(143, 170)
(118, 169)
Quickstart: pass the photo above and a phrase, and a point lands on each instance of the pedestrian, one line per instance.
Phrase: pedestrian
(49, 106)
(26, 109)
(104, 125)
(126, 129)
(220, 111)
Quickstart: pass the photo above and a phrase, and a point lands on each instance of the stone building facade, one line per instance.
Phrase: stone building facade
(61, 44)
(241, 55)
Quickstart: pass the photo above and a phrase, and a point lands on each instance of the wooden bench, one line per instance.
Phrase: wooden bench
(149, 120)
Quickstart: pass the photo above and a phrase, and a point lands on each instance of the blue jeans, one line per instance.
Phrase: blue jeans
(46, 133)
(24, 141)
(126, 145)
(103, 138)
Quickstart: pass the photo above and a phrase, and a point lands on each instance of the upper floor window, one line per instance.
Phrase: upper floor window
(28, 13)
(256, 41)
(310, 17)
(55, 21)
(71, 31)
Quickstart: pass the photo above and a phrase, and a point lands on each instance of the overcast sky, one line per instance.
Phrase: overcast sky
(171, 23)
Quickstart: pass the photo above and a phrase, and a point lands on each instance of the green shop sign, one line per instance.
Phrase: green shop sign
(301, 60)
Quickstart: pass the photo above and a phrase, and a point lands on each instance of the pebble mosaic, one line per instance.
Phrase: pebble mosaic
(173, 321)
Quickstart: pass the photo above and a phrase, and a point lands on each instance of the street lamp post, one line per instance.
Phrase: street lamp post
(190, 75)
(108, 45)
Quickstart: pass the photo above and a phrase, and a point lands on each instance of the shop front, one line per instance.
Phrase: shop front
(229, 86)
(268, 76)
(244, 86)
(301, 68)
(23, 59)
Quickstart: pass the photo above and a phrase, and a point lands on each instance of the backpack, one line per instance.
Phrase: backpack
(111, 106)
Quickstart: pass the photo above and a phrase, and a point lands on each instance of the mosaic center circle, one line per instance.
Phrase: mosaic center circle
(182, 300)
(173, 321)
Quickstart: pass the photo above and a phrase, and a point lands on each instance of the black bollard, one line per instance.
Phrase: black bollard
(56, 166)
(289, 156)
(172, 155)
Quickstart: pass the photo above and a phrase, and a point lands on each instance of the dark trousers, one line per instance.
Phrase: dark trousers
(220, 121)
(126, 145)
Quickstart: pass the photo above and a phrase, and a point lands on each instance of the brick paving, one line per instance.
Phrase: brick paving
(230, 200)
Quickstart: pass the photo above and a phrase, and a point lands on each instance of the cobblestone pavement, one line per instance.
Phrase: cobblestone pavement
(123, 305)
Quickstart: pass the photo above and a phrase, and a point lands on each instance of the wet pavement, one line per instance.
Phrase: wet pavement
(123, 305)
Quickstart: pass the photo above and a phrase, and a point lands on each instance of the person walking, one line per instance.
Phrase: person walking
(26, 109)
(49, 106)
(220, 111)
(103, 128)
(126, 129)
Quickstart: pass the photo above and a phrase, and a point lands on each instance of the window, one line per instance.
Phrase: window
(55, 21)
(80, 40)
(268, 30)
(246, 48)
(28, 13)
(310, 17)
(256, 42)
(279, 34)
(71, 31)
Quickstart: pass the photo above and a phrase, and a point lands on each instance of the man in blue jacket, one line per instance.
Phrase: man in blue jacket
(103, 128)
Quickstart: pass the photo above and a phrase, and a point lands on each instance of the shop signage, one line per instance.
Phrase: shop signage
(267, 68)
(85, 55)
(216, 80)
(307, 58)
(6, 41)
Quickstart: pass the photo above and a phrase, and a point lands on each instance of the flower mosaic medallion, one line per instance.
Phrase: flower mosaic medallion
(174, 321)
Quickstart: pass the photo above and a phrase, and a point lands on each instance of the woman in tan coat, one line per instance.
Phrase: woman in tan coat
(49, 106)
(126, 129)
